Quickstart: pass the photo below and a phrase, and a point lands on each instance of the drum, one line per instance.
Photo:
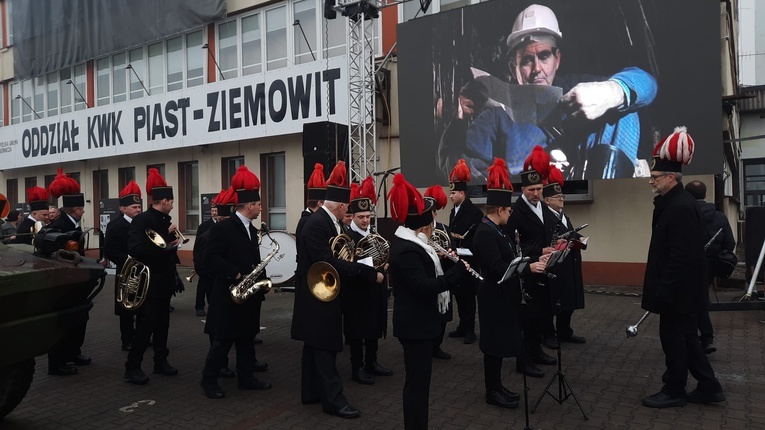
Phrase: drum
(282, 267)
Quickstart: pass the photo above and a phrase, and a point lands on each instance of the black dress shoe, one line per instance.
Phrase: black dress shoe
(697, 396)
(258, 341)
(136, 376)
(62, 370)
(511, 394)
(226, 373)
(254, 384)
(457, 333)
(531, 370)
(212, 390)
(361, 376)
(441, 354)
(171, 308)
(80, 360)
(165, 369)
(376, 368)
(470, 338)
(550, 342)
(346, 411)
(664, 400)
(498, 398)
(260, 366)
(708, 346)
(126, 347)
(542, 358)
(573, 339)
(201, 313)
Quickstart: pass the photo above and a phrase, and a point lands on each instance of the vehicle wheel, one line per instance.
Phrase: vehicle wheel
(14, 383)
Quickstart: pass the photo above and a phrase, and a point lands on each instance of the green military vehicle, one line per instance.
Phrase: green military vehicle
(41, 299)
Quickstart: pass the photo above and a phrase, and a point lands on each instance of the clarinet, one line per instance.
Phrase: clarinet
(524, 294)
(454, 259)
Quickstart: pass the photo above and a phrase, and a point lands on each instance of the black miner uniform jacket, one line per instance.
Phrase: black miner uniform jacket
(675, 280)
(25, 227)
(318, 323)
(466, 220)
(416, 289)
(447, 264)
(365, 307)
(160, 261)
(498, 304)
(116, 250)
(567, 285)
(534, 236)
(64, 223)
(229, 251)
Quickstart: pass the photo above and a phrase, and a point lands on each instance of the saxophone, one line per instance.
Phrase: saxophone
(249, 285)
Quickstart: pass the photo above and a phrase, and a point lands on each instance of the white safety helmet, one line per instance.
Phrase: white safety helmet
(536, 20)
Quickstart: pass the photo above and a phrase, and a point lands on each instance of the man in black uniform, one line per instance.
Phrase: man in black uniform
(317, 191)
(365, 307)
(567, 286)
(154, 315)
(674, 286)
(463, 219)
(437, 195)
(231, 254)
(319, 323)
(73, 207)
(37, 202)
(204, 284)
(527, 227)
(116, 250)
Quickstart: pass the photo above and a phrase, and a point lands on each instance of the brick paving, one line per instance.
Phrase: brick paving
(610, 374)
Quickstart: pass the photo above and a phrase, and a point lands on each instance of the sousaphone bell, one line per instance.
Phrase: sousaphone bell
(323, 281)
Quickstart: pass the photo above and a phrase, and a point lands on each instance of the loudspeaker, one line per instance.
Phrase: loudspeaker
(753, 238)
(329, 12)
(326, 143)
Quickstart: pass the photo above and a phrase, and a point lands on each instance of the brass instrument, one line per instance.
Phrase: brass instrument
(134, 278)
(441, 238)
(446, 253)
(375, 246)
(249, 284)
(190, 277)
(342, 247)
(323, 281)
(180, 236)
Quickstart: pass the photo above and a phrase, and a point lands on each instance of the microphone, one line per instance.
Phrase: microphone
(387, 172)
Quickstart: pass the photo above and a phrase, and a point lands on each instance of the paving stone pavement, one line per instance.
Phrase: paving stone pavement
(610, 374)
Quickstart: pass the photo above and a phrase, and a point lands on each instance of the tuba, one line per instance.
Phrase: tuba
(375, 246)
(133, 284)
(250, 284)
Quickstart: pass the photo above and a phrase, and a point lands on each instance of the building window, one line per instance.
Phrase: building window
(125, 175)
(100, 185)
(29, 182)
(252, 52)
(159, 167)
(53, 94)
(12, 192)
(228, 169)
(119, 77)
(75, 176)
(156, 75)
(137, 75)
(80, 87)
(276, 38)
(227, 49)
(26, 96)
(305, 45)
(189, 180)
(175, 63)
(275, 191)
(39, 96)
(754, 182)
(15, 103)
(52, 201)
(103, 82)
(195, 57)
(65, 75)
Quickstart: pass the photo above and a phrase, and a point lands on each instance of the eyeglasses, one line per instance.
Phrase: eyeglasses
(560, 197)
(656, 177)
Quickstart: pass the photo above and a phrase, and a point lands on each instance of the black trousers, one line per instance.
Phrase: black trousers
(683, 353)
(152, 317)
(225, 362)
(438, 340)
(69, 348)
(704, 322)
(418, 362)
(217, 357)
(357, 355)
(492, 372)
(203, 292)
(533, 330)
(127, 328)
(320, 380)
(562, 325)
(466, 304)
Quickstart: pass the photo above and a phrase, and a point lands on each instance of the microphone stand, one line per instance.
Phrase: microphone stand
(523, 336)
(384, 187)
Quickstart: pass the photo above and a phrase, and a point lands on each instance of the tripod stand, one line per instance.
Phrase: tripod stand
(564, 388)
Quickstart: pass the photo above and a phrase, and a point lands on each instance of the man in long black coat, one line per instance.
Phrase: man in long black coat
(204, 283)
(674, 283)
(319, 323)
(230, 254)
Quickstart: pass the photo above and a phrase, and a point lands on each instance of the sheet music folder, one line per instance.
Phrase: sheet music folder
(516, 266)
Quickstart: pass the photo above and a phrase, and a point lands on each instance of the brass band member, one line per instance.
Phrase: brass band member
(365, 307)
(153, 317)
(420, 290)
(498, 304)
(231, 252)
(37, 202)
(535, 237)
(116, 250)
(436, 193)
(317, 323)
(463, 219)
(73, 207)
(567, 286)
(317, 191)
(204, 283)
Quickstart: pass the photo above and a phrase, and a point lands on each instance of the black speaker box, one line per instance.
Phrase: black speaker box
(325, 143)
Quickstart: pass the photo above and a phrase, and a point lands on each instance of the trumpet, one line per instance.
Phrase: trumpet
(190, 277)
(180, 236)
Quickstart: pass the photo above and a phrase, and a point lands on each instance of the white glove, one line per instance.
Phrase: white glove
(443, 301)
(591, 100)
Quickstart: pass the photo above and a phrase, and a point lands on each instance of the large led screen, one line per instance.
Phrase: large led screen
(595, 82)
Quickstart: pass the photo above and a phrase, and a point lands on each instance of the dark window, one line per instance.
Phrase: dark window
(228, 168)
(125, 175)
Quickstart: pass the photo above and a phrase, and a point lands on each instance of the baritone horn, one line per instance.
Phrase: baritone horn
(134, 278)
(323, 281)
